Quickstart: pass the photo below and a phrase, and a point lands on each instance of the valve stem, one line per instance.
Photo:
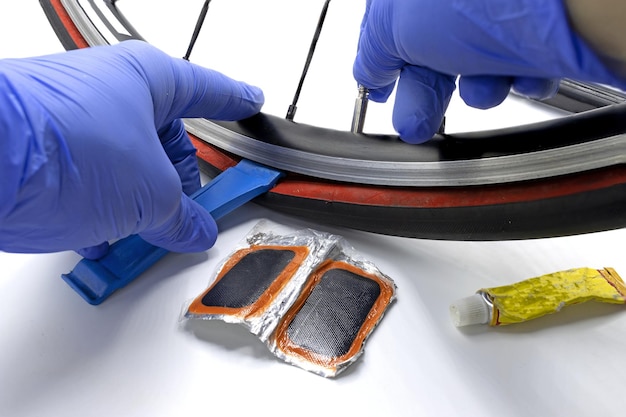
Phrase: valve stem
(360, 109)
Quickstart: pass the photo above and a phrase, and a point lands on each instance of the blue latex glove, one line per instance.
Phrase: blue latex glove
(494, 45)
(92, 148)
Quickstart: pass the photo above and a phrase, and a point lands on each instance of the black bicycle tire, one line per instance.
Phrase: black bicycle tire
(566, 209)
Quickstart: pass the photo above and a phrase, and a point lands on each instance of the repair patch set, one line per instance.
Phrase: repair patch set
(306, 294)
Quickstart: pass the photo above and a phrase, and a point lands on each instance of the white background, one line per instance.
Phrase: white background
(131, 356)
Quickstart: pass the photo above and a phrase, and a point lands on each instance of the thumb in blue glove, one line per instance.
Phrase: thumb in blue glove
(493, 45)
(93, 148)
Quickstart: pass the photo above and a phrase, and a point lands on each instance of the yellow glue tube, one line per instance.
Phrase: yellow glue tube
(536, 297)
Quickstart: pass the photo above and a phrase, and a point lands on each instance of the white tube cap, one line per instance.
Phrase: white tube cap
(470, 310)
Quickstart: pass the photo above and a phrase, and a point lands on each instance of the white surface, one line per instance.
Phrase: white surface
(132, 357)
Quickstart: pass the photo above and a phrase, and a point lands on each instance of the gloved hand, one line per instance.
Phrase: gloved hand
(492, 44)
(92, 148)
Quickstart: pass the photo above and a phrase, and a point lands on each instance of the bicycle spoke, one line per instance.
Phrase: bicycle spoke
(291, 112)
(196, 30)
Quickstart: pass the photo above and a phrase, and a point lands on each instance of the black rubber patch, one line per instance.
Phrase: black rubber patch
(333, 314)
(248, 279)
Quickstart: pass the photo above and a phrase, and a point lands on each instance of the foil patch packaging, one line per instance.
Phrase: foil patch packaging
(308, 295)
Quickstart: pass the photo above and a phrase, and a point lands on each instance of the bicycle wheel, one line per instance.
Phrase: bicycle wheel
(553, 178)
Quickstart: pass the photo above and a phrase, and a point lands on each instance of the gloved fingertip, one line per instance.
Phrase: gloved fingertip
(484, 92)
(380, 78)
(416, 129)
(190, 229)
(535, 88)
(422, 98)
(380, 95)
(245, 100)
(254, 95)
(94, 252)
(202, 92)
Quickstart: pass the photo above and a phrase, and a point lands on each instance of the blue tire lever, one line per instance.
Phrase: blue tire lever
(95, 280)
